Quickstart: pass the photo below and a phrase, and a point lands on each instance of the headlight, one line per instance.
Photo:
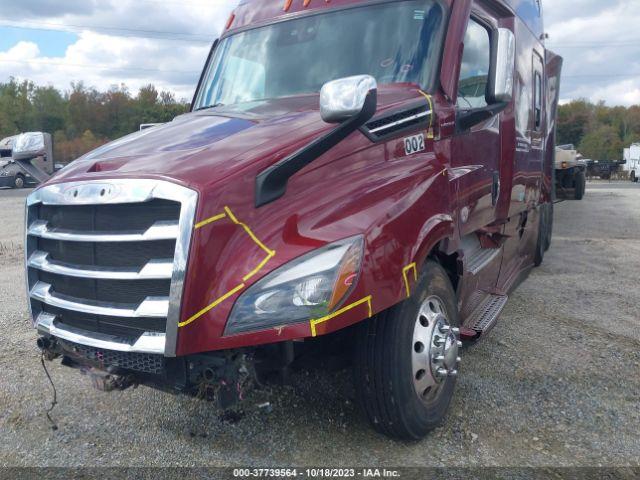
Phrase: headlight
(309, 287)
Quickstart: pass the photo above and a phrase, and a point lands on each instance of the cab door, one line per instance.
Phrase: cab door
(476, 153)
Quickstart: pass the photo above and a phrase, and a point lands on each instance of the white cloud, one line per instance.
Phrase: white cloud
(600, 42)
(106, 57)
(21, 51)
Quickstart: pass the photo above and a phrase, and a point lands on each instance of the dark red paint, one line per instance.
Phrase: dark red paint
(404, 206)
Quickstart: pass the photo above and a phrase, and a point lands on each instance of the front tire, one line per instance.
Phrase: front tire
(407, 357)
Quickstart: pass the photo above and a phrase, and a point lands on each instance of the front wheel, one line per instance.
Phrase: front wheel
(407, 359)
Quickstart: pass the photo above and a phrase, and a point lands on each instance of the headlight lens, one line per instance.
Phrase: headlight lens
(307, 288)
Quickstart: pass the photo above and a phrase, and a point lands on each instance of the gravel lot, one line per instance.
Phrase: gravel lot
(556, 383)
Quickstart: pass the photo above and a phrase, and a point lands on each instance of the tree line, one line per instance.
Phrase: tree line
(599, 132)
(84, 118)
(81, 118)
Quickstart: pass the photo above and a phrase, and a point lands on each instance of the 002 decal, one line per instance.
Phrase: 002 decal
(414, 144)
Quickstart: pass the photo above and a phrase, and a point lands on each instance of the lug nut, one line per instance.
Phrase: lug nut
(442, 372)
(439, 358)
(453, 373)
(439, 341)
(459, 343)
(456, 331)
(445, 328)
(458, 360)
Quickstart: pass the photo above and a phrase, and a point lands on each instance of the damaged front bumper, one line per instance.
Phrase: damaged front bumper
(223, 377)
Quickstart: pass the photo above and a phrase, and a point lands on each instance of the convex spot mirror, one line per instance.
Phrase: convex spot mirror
(28, 145)
(504, 62)
(345, 98)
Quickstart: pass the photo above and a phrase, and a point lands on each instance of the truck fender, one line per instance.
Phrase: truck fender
(436, 229)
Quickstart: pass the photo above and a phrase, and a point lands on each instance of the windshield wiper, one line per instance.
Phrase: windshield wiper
(209, 106)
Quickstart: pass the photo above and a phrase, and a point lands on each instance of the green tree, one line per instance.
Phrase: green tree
(604, 143)
(574, 120)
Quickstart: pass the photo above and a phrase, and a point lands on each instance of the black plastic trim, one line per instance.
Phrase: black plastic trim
(400, 131)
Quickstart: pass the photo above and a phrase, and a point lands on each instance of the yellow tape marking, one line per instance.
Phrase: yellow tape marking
(270, 255)
(212, 306)
(210, 220)
(405, 271)
(366, 300)
(428, 97)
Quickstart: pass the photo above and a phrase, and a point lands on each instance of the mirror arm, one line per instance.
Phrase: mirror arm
(469, 118)
(271, 183)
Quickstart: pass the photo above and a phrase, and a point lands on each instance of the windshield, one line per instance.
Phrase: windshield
(393, 42)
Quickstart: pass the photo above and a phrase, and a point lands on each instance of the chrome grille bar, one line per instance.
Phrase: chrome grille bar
(147, 343)
(162, 230)
(153, 270)
(154, 307)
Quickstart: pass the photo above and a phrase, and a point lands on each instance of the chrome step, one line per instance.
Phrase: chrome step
(486, 314)
(480, 259)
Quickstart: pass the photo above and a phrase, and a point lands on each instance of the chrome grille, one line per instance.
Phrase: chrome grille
(106, 260)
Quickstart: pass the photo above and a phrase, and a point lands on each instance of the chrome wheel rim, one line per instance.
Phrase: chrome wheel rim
(435, 349)
(19, 182)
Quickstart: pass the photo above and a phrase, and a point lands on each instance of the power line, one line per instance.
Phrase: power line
(594, 45)
(157, 33)
(100, 67)
(605, 75)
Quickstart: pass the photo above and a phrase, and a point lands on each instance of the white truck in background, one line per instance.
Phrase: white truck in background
(632, 159)
(570, 172)
(26, 159)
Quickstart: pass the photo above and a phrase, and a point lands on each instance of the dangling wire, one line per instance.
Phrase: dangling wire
(54, 402)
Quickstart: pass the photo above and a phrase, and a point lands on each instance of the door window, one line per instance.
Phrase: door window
(474, 71)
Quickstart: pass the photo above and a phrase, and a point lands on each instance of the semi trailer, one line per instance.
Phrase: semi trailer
(372, 178)
(26, 159)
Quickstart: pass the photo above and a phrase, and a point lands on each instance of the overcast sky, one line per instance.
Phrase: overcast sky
(136, 42)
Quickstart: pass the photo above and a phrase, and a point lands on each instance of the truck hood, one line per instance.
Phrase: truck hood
(199, 149)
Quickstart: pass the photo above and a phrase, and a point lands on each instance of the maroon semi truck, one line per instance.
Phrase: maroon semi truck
(369, 177)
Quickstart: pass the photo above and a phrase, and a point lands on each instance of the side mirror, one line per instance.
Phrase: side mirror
(28, 145)
(504, 62)
(346, 98)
